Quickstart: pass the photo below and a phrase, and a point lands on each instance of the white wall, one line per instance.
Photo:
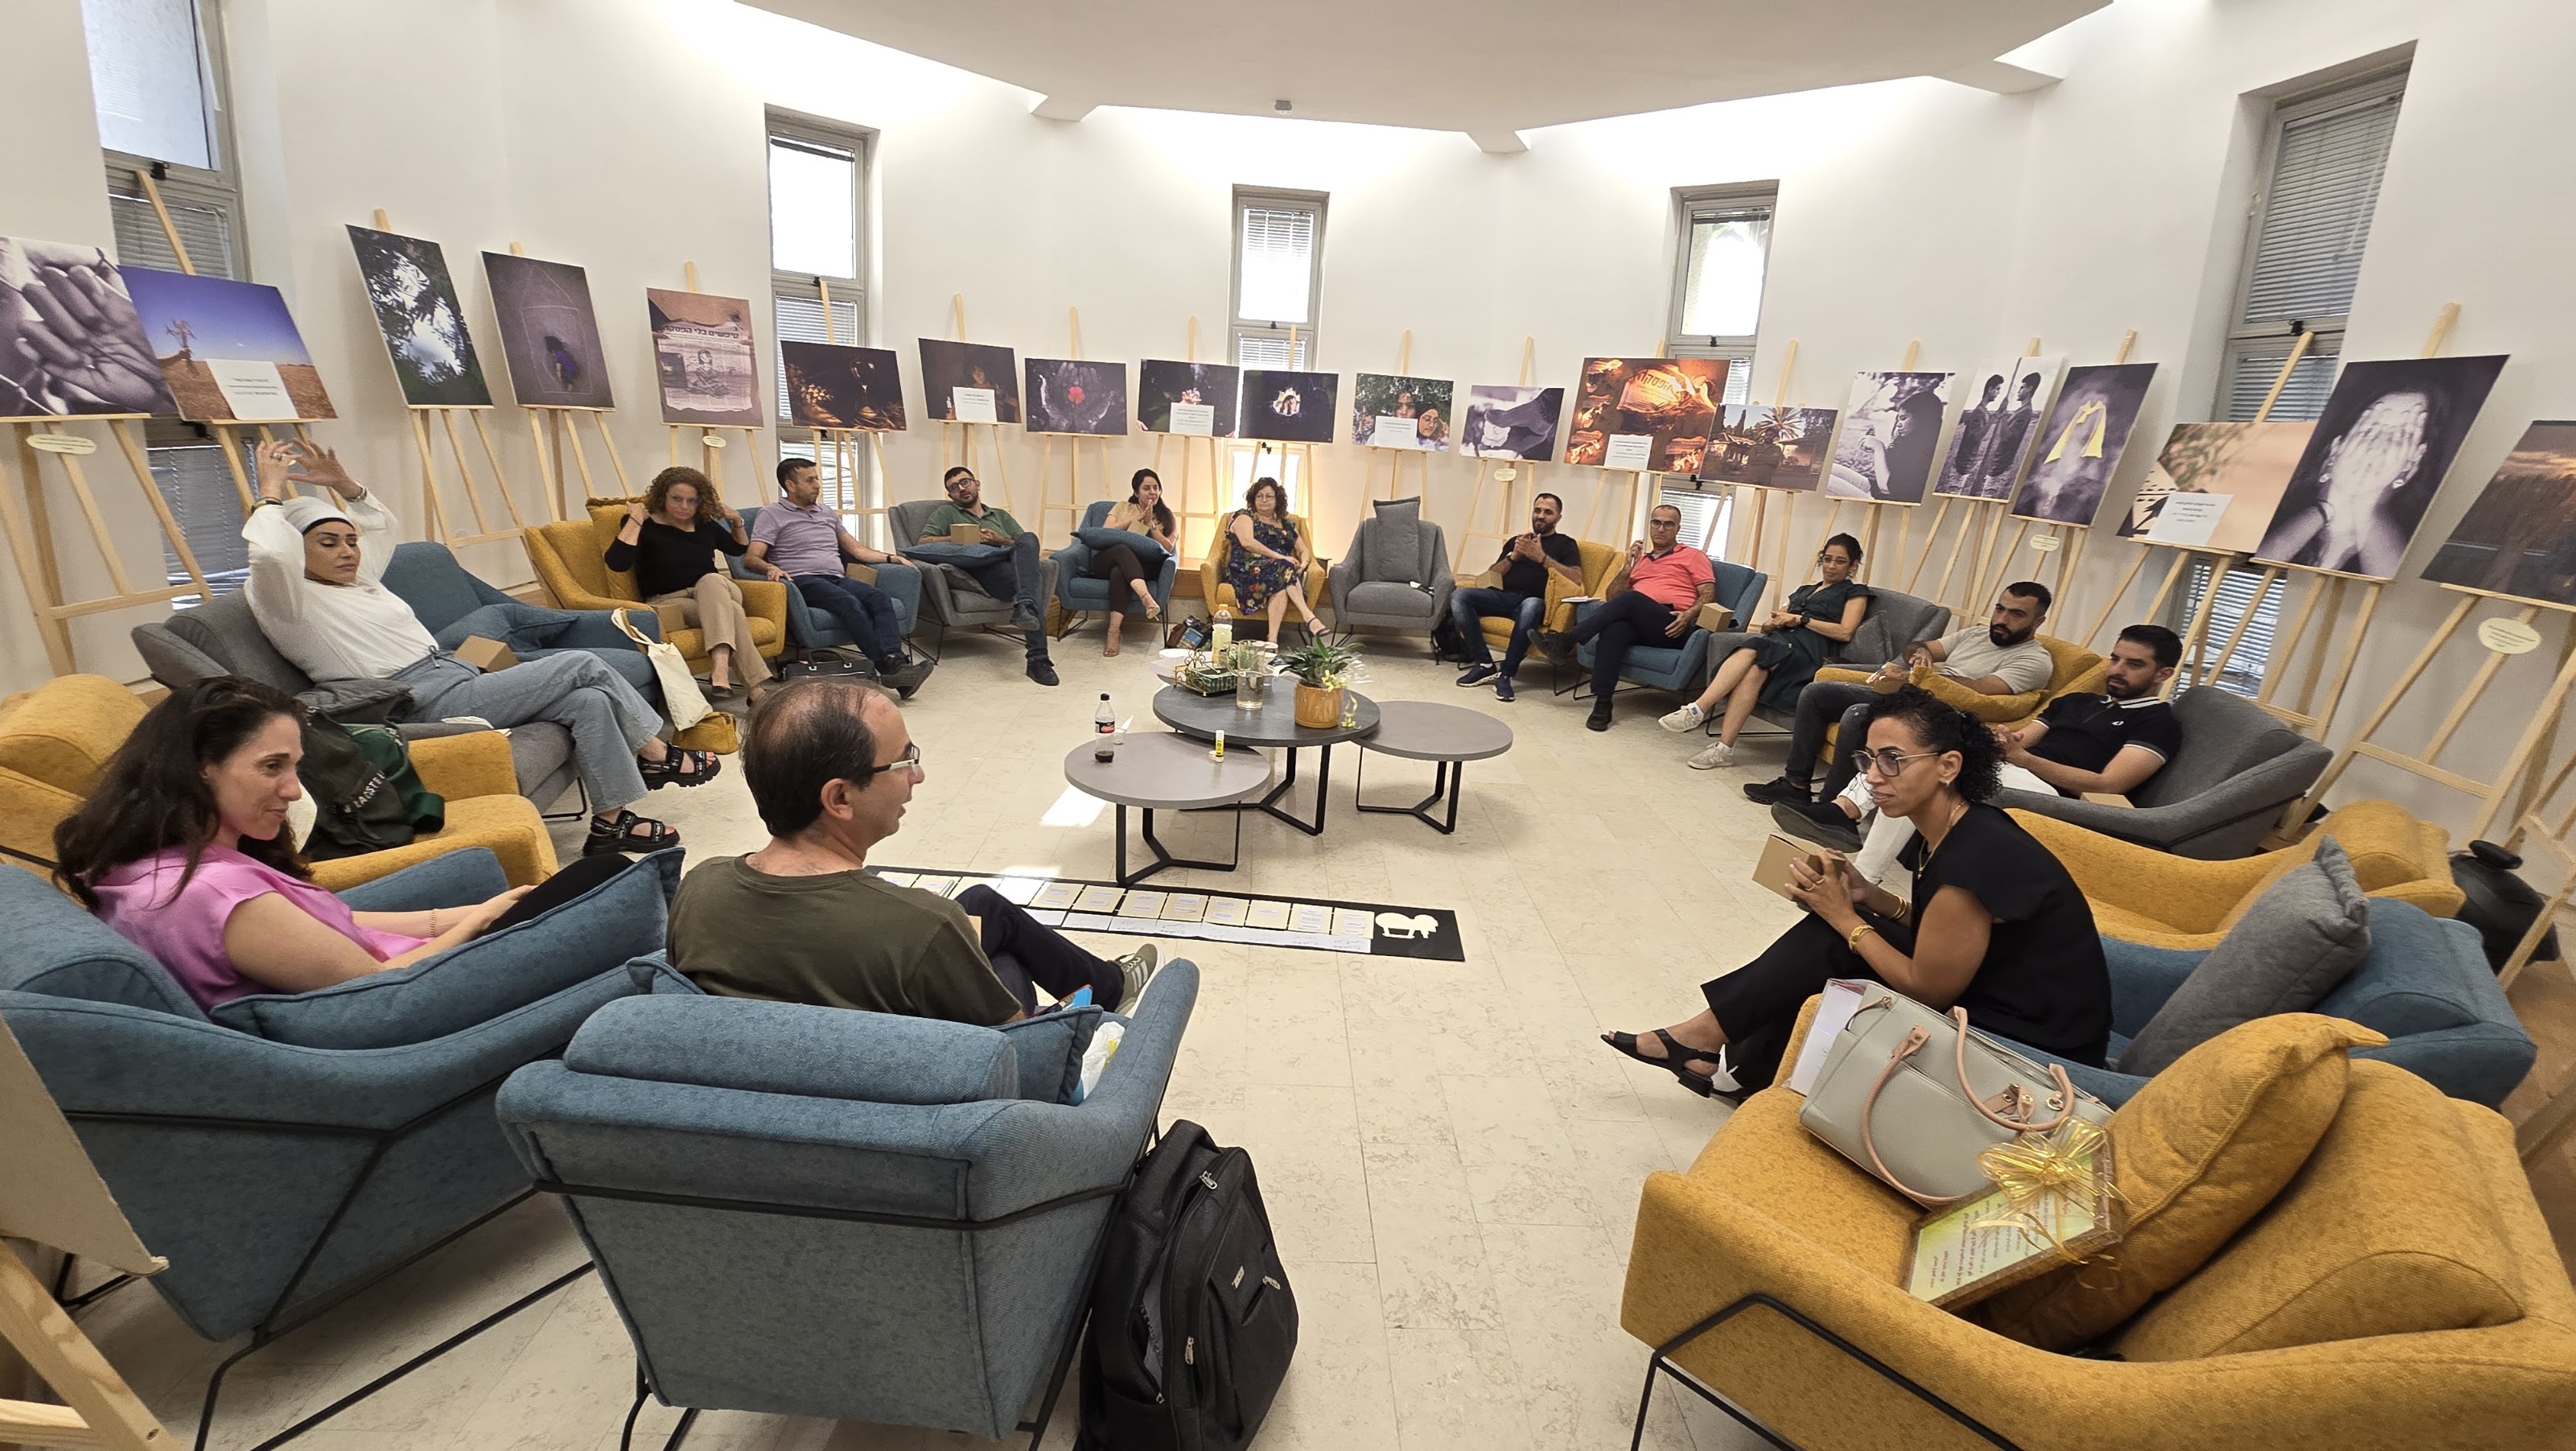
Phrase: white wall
(627, 137)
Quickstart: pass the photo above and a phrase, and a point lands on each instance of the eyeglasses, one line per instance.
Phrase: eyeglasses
(1888, 760)
(1829, 557)
(961, 481)
(910, 760)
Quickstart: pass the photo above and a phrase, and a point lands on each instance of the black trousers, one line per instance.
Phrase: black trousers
(1821, 705)
(1624, 621)
(1119, 565)
(1026, 951)
(562, 887)
(1014, 577)
(1757, 1004)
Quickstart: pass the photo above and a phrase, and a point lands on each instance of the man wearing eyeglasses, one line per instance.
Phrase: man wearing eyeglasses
(2004, 658)
(1013, 577)
(2110, 742)
(831, 769)
(1657, 590)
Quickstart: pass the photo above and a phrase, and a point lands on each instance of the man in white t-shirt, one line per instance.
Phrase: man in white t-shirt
(2003, 658)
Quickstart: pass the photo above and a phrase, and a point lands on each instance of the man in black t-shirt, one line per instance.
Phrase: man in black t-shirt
(2107, 743)
(1520, 595)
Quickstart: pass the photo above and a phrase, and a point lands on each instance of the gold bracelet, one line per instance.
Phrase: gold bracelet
(1857, 933)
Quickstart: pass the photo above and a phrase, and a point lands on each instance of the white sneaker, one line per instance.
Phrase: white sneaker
(1718, 754)
(1136, 969)
(1686, 718)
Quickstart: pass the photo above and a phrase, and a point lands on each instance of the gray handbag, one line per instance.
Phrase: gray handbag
(1913, 1096)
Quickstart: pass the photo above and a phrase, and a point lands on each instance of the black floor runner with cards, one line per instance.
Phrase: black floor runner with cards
(1316, 924)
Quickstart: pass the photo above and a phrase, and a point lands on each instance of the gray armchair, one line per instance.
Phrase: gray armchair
(949, 599)
(454, 605)
(823, 1212)
(222, 637)
(2238, 768)
(1895, 620)
(1395, 574)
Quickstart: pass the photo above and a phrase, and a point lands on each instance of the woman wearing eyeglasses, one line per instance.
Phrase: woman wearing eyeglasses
(1784, 653)
(1995, 925)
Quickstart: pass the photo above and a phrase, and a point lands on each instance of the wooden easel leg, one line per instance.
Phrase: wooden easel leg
(2299, 810)
(44, 590)
(549, 459)
(230, 442)
(435, 522)
(2272, 574)
(2118, 592)
(98, 1408)
(2543, 721)
(136, 459)
(1931, 540)
(608, 446)
(500, 480)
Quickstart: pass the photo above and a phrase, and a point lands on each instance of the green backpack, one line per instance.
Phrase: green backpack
(366, 797)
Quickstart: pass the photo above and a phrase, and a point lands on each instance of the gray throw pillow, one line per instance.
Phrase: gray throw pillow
(1395, 551)
(1049, 1049)
(2297, 943)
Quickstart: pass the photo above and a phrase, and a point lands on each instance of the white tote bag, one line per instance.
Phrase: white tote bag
(681, 698)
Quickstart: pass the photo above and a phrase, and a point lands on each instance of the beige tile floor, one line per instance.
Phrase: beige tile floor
(1450, 1158)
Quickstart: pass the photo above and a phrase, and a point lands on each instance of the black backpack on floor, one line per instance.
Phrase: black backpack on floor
(1192, 1320)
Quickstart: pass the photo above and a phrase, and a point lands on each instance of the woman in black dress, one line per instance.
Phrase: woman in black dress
(674, 538)
(1784, 653)
(1996, 926)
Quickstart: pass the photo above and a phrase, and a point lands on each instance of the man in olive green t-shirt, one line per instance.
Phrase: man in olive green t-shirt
(1013, 577)
(831, 768)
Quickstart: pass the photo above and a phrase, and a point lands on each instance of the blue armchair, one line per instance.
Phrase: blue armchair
(810, 630)
(823, 1212)
(453, 604)
(1079, 594)
(2426, 984)
(278, 1178)
(1682, 669)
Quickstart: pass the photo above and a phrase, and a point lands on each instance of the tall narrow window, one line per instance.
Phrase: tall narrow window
(1718, 267)
(153, 75)
(818, 241)
(1278, 277)
(2306, 230)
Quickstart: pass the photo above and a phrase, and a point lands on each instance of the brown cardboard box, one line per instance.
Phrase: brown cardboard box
(1716, 619)
(1772, 869)
(485, 655)
(962, 533)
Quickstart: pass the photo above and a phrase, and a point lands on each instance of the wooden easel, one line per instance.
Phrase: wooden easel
(1184, 514)
(1506, 512)
(711, 436)
(870, 502)
(964, 438)
(230, 435)
(1627, 516)
(434, 516)
(31, 535)
(1395, 456)
(2062, 544)
(1981, 519)
(554, 426)
(52, 1196)
(2311, 717)
(1073, 505)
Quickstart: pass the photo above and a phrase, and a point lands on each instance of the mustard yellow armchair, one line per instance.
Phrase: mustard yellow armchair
(2143, 895)
(572, 561)
(1774, 1264)
(55, 739)
(2075, 669)
(1218, 594)
(1600, 561)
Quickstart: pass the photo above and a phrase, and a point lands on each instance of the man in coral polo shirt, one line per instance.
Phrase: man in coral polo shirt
(1650, 599)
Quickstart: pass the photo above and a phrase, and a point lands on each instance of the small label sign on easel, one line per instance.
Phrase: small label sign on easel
(1394, 432)
(972, 405)
(2046, 543)
(1198, 420)
(712, 440)
(2508, 637)
(1629, 451)
(71, 443)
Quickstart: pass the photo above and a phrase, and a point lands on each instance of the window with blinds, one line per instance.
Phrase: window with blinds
(818, 186)
(2305, 235)
(1278, 277)
(1704, 517)
(1718, 269)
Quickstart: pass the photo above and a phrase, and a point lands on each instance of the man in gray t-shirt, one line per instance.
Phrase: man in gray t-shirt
(2003, 658)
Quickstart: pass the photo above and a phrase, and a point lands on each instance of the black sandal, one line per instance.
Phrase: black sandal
(702, 765)
(619, 834)
(1678, 1054)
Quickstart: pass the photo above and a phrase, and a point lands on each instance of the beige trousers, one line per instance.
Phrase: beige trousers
(715, 606)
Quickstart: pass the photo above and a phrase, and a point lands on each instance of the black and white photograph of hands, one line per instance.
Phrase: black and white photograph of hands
(70, 341)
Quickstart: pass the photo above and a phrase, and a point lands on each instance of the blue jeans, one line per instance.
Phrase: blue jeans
(574, 689)
(864, 610)
(1014, 577)
(1470, 606)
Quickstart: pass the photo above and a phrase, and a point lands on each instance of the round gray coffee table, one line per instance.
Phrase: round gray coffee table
(1274, 724)
(1157, 772)
(1451, 735)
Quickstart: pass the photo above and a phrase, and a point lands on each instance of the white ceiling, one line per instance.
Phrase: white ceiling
(1485, 67)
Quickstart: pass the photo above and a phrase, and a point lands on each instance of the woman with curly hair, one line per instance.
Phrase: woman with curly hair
(675, 539)
(1995, 924)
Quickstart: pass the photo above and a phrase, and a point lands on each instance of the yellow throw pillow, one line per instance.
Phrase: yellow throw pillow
(2198, 1153)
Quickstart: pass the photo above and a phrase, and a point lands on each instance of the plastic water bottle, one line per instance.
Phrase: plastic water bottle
(1221, 633)
(1105, 720)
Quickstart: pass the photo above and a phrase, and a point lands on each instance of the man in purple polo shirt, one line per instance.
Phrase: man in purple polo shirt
(799, 543)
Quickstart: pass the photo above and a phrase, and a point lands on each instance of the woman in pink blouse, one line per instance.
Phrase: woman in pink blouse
(182, 847)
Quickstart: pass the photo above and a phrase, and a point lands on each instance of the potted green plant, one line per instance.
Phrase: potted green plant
(1323, 668)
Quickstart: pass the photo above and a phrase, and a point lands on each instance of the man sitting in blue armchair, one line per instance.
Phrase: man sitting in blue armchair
(801, 544)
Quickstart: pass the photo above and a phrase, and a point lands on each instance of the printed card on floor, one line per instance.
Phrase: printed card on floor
(1185, 907)
(944, 886)
(1353, 922)
(900, 879)
(1227, 911)
(1057, 896)
(1098, 899)
(1143, 904)
(1308, 918)
(1269, 916)
(1018, 891)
